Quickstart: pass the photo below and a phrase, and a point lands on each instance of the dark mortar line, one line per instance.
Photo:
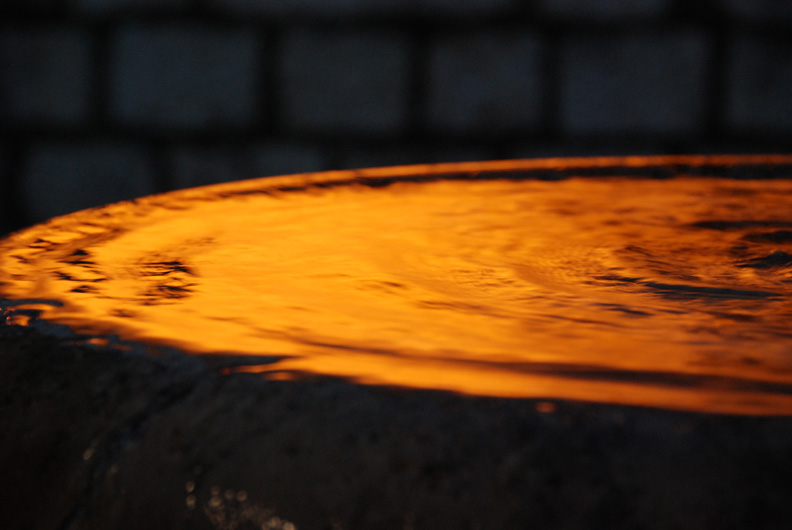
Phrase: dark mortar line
(12, 201)
(715, 108)
(552, 55)
(100, 82)
(160, 154)
(269, 100)
(419, 49)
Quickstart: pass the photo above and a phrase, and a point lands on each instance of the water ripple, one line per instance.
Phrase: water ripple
(521, 280)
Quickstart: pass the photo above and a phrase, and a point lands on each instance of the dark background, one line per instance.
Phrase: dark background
(102, 100)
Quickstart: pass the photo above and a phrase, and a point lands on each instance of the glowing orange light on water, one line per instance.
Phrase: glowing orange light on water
(475, 278)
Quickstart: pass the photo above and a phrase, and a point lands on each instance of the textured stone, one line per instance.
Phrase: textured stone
(31, 5)
(197, 167)
(462, 7)
(280, 158)
(406, 155)
(62, 178)
(129, 441)
(581, 149)
(184, 77)
(485, 83)
(46, 76)
(647, 84)
(191, 167)
(604, 10)
(112, 6)
(759, 86)
(357, 8)
(759, 10)
(5, 198)
(344, 81)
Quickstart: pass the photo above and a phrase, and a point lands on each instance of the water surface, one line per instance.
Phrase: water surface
(481, 279)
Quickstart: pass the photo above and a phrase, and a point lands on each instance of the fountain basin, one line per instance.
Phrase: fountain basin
(560, 344)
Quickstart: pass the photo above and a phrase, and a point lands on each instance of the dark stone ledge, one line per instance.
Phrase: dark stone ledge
(96, 437)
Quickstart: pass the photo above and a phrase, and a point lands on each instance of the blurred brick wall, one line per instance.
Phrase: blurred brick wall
(102, 100)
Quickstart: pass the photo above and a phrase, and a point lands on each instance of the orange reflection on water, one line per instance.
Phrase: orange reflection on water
(473, 278)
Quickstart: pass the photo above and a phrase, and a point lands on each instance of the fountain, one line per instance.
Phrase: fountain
(475, 345)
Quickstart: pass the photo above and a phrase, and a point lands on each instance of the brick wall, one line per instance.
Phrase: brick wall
(102, 100)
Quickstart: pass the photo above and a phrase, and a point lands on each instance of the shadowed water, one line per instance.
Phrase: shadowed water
(668, 292)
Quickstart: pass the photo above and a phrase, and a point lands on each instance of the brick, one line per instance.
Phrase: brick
(759, 86)
(284, 158)
(5, 196)
(184, 78)
(197, 167)
(407, 155)
(47, 76)
(759, 10)
(357, 8)
(4, 172)
(487, 82)
(344, 81)
(190, 167)
(98, 7)
(62, 178)
(580, 149)
(762, 146)
(462, 7)
(31, 5)
(653, 84)
(604, 10)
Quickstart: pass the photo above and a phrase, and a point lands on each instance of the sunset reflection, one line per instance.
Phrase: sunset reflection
(538, 279)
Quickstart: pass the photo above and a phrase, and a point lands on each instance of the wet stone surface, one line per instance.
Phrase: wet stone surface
(98, 437)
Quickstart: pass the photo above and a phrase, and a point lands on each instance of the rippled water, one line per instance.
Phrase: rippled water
(479, 279)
